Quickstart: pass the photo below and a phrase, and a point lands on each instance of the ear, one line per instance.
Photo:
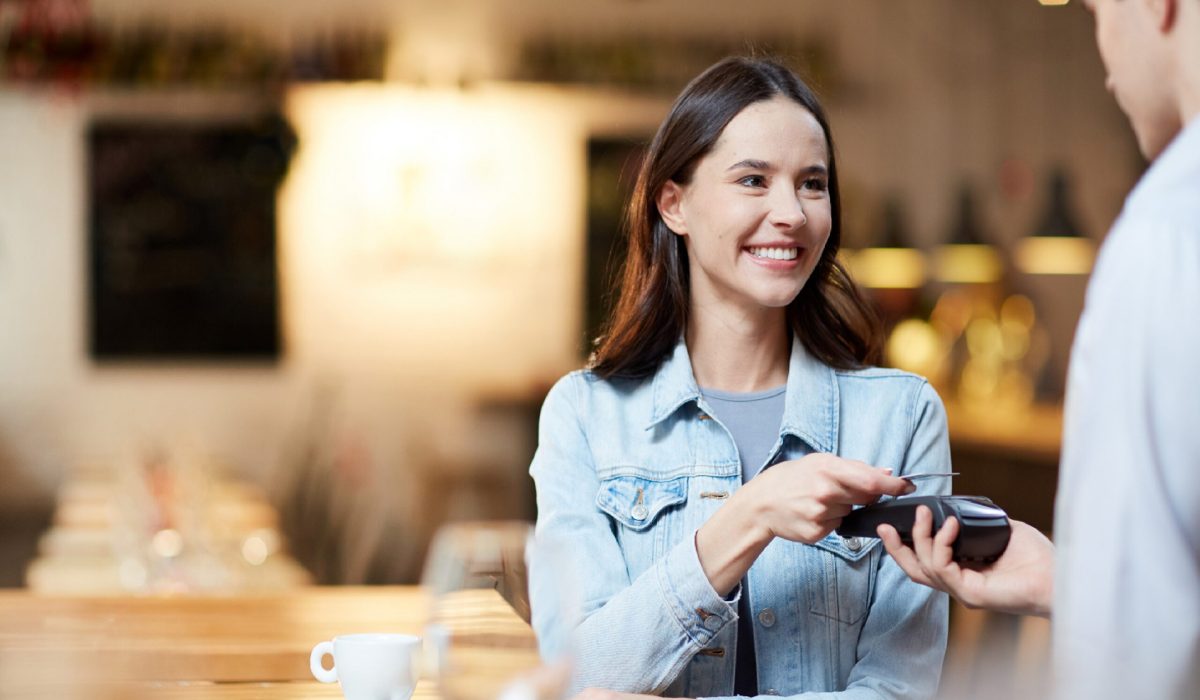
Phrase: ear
(670, 207)
(1163, 13)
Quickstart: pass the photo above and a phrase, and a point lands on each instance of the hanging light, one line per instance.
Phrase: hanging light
(966, 259)
(893, 264)
(1057, 246)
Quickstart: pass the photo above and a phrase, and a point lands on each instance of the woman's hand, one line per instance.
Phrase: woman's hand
(801, 500)
(1021, 581)
(805, 499)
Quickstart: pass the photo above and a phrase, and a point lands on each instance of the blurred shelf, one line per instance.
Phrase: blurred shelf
(1009, 456)
(1034, 433)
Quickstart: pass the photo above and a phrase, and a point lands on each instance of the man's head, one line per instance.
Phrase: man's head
(1147, 47)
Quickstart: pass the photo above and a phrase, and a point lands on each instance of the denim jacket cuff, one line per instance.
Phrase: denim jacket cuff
(687, 593)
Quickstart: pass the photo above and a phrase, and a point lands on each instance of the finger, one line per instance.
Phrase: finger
(835, 512)
(818, 530)
(823, 529)
(943, 545)
(921, 531)
(908, 488)
(922, 537)
(890, 484)
(902, 555)
(864, 483)
(893, 485)
(949, 574)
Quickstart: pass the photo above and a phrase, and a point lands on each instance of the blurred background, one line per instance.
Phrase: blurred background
(288, 281)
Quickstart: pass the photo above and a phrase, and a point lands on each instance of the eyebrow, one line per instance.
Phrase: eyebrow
(753, 164)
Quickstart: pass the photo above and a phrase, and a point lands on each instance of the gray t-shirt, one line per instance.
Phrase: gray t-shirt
(753, 418)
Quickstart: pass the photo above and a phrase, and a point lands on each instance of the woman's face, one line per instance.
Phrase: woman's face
(756, 214)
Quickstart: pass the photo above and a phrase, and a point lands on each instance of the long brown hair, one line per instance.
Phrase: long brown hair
(830, 315)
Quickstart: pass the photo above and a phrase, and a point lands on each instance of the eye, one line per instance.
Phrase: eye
(815, 184)
(753, 181)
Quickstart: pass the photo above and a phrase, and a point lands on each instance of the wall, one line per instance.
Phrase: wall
(424, 287)
(430, 253)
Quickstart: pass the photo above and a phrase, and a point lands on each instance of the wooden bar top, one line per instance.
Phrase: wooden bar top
(243, 646)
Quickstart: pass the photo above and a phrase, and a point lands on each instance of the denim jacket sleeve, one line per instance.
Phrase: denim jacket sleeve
(903, 640)
(635, 635)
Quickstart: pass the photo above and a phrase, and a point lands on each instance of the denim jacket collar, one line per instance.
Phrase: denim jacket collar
(810, 410)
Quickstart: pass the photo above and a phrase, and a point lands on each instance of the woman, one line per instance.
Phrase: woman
(698, 468)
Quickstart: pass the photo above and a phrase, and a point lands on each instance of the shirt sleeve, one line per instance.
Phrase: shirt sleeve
(1127, 614)
(632, 636)
(1172, 373)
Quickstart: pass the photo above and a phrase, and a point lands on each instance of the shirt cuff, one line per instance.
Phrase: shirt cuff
(687, 593)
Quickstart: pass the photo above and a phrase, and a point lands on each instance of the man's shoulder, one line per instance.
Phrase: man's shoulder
(1169, 191)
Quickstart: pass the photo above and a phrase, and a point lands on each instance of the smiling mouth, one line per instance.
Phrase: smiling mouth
(775, 253)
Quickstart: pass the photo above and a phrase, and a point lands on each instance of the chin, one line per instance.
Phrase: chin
(778, 300)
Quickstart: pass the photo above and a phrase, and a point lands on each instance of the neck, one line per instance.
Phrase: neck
(1188, 53)
(738, 351)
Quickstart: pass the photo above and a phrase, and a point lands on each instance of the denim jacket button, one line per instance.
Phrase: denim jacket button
(767, 617)
(853, 544)
(639, 512)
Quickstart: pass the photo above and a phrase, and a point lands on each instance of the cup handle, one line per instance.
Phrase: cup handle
(314, 663)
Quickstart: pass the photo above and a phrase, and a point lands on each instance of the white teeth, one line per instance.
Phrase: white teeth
(775, 253)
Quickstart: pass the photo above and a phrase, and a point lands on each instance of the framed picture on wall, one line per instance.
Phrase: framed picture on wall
(182, 233)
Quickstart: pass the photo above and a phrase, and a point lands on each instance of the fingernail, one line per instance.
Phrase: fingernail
(887, 470)
(910, 487)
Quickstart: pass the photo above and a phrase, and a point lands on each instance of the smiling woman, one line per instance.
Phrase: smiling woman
(830, 316)
(756, 228)
(730, 420)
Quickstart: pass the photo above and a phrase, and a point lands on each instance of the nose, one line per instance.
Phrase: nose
(787, 210)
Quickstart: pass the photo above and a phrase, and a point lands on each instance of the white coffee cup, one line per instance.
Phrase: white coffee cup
(369, 666)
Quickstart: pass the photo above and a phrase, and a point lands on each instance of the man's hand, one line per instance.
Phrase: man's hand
(1021, 581)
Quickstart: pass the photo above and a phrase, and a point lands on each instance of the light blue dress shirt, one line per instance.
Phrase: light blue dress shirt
(1127, 522)
(627, 471)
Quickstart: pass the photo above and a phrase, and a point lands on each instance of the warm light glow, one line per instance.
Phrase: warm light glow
(1053, 2)
(886, 268)
(1055, 255)
(915, 346)
(254, 550)
(424, 175)
(167, 543)
(1018, 312)
(984, 339)
(439, 215)
(967, 264)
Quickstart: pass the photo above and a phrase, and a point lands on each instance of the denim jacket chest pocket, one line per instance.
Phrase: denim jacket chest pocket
(844, 569)
(644, 515)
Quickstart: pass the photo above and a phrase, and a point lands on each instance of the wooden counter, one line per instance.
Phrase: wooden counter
(245, 646)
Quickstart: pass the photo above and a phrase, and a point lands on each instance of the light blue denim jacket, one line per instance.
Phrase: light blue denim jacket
(627, 471)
